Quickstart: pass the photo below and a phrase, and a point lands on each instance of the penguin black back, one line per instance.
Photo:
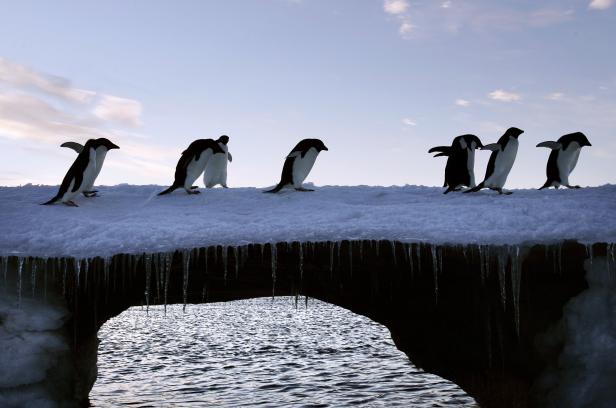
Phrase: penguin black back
(457, 172)
(75, 172)
(300, 150)
(194, 151)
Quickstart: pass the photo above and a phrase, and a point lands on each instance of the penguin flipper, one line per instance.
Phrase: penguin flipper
(442, 154)
(73, 145)
(441, 149)
(550, 145)
(230, 157)
(492, 147)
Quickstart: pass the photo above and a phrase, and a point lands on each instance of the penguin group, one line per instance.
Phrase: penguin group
(210, 158)
(459, 170)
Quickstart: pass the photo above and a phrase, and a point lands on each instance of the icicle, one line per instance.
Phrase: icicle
(361, 251)
(464, 254)
(5, 267)
(224, 260)
(589, 253)
(185, 263)
(435, 270)
(331, 260)
(273, 252)
(378, 246)
(516, 277)
(502, 265)
(236, 257)
(33, 275)
(393, 253)
(301, 262)
(262, 248)
(338, 257)
(77, 263)
(215, 255)
(156, 262)
(147, 262)
(418, 256)
(440, 261)
(20, 265)
(168, 257)
(85, 273)
(106, 266)
(409, 250)
(351, 258)
(64, 268)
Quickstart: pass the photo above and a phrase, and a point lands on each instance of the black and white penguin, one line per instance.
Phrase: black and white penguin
(104, 145)
(501, 161)
(298, 164)
(216, 167)
(563, 158)
(79, 174)
(192, 163)
(460, 168)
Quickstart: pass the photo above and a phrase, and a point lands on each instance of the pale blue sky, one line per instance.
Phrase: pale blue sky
(379, 81)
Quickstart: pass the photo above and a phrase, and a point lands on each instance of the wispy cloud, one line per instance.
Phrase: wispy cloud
(20, 76)
(120, 110)
(601, 4)
(555, 96)
(36, 108)
(504, 96)
(463, 103)
(400, 10)
(409, 122)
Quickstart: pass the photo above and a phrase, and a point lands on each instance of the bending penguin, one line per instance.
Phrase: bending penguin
(459, 171)
(192, 163)
(501, 161)
(298, 164)
(81, 174)
(216, 167)
(101, 152)
(563, 158)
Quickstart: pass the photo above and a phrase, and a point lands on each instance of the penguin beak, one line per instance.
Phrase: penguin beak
(325, 148)
(114, 146)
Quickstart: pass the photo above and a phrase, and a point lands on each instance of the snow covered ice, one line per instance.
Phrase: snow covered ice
(132, 219)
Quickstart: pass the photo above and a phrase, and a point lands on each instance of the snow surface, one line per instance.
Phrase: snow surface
(132, 219)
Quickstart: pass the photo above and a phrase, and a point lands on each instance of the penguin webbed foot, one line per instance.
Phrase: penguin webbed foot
(574, 187)
(90, 194)
(193, 192)
(193, 187)
(70, 204)
(302, 189)
(500, 191)
(224, 186)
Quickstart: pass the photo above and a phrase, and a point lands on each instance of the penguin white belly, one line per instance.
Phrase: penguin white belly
(195, 168)
(88, 174)
(503, 165)
(101, 152)
(566, 162)
(470, 167)
(303, 165)
(216, 170)
(69, 195)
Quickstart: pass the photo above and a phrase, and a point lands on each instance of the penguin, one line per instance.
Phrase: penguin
(563, 158)
(101, 151)
(298, 164)
(459, 171)
(192, 163)
(501, 161)
(216, 167)
(79, 174)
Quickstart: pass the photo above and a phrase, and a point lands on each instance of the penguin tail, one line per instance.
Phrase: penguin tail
(547, 184)
(449, 189)
(475, 189)
(53, 200)
(275, 189)
(169, 190)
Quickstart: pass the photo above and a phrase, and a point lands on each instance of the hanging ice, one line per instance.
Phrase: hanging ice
(147, 261)
(433, 249)
(236, 260)
(301, 261)
(224, 260)
(185, 262)
(516, 277)
(273, 252)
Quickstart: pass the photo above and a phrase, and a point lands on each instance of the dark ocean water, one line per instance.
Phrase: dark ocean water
(259, 352)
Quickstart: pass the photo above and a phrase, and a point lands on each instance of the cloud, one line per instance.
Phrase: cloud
(555, 96)
(446, 4)
(119, 110)
(399, 9)
(600, 4)
(395, 7)
(504, 96)
(20, 76)
(409, 122)
(463, 103)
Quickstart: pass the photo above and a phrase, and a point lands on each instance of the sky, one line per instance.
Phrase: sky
(379, 81)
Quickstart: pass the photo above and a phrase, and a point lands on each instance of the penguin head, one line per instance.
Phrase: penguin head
(578, 137)
(319, 145)
(224, 139)
(514, 132)
(104, 142)
(470, 142)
